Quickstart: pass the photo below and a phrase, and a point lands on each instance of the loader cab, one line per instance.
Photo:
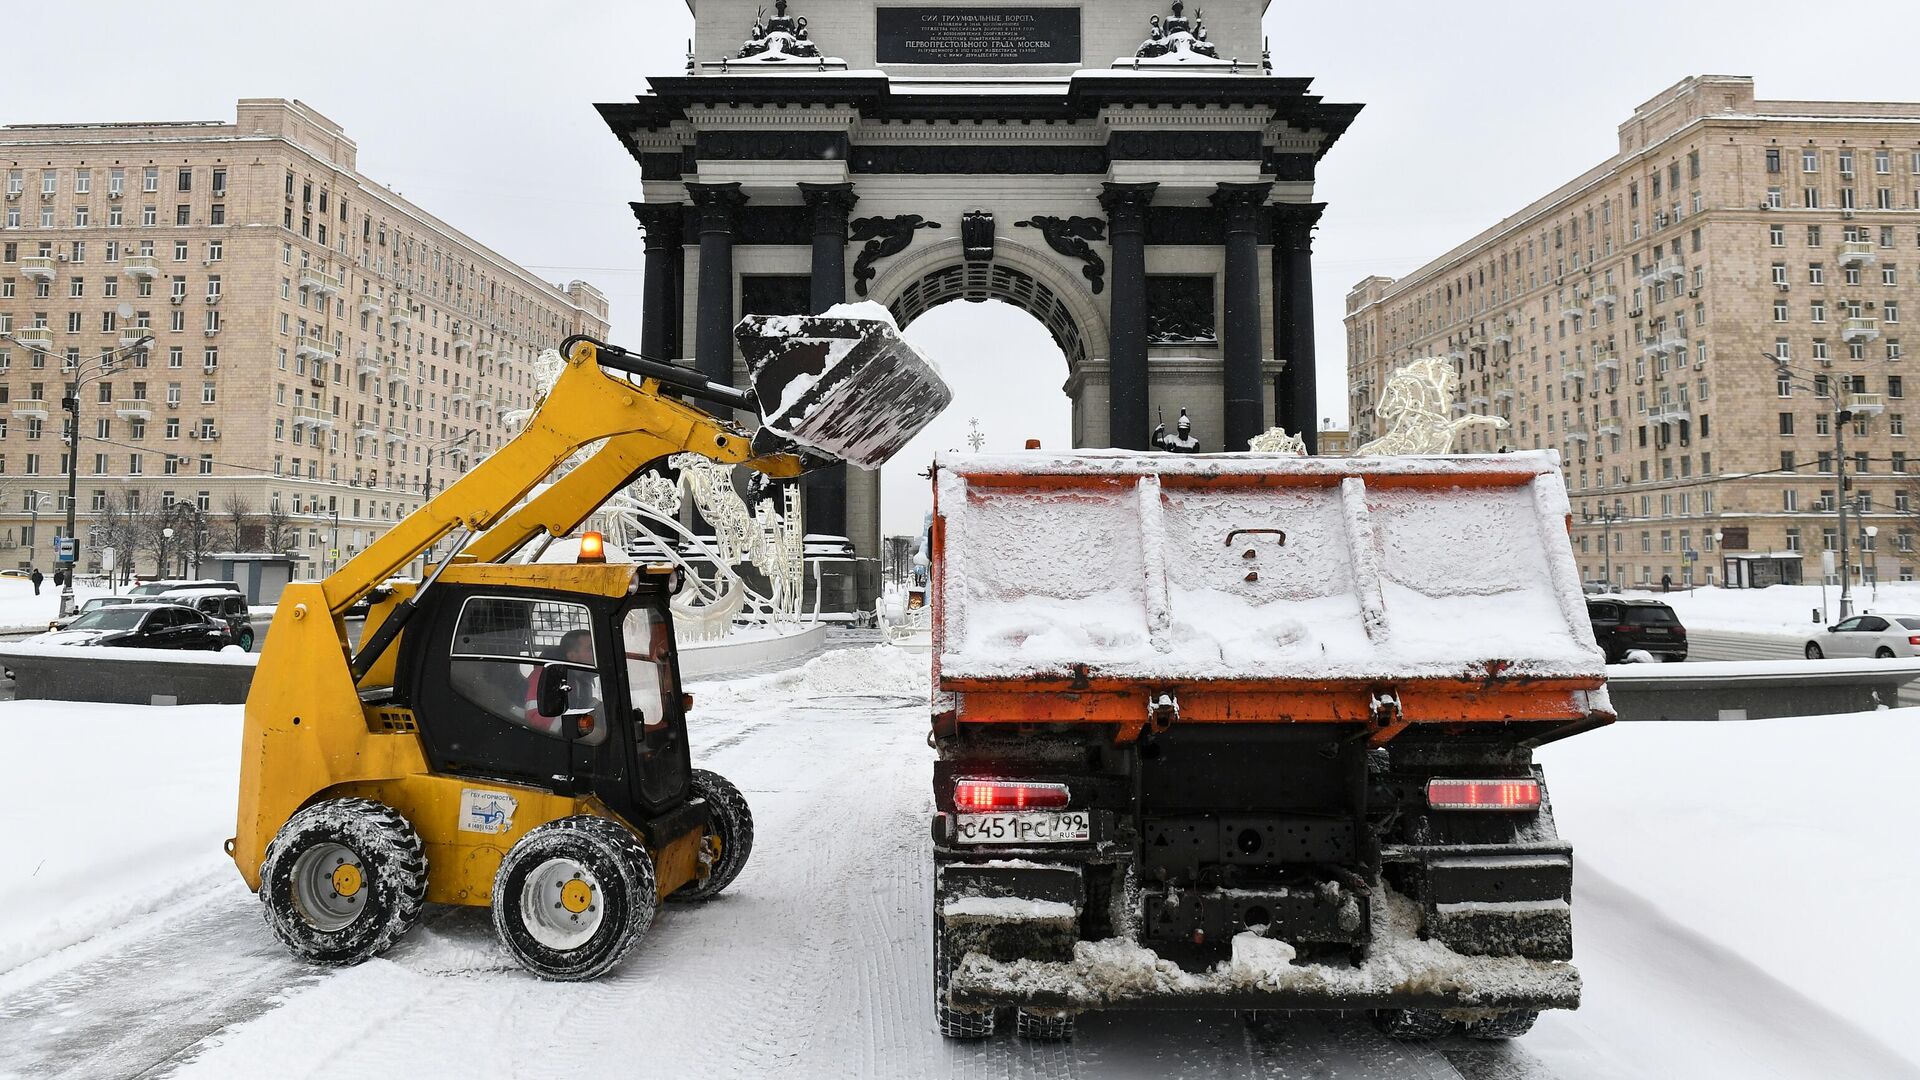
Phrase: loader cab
(574, 692)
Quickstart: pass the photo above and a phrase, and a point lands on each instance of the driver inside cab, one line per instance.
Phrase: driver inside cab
(583, 699)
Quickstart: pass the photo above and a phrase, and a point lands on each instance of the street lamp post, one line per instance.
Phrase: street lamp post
(33, 498)
(1607, 517)
(1871, 568)
(426, 484)
(1843, 414)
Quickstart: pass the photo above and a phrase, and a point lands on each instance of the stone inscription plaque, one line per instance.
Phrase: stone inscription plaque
(977, 35)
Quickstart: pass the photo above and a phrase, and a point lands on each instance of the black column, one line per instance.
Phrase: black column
(1295, 399)
(658, 312)
(825, 490)
(1241, 204)
(713, 328)
(1126, 207)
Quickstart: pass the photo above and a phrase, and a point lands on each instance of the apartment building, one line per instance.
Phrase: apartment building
(1635, 320)
(323, 352)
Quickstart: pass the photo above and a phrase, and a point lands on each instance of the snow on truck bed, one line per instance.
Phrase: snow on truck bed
(1122, 561)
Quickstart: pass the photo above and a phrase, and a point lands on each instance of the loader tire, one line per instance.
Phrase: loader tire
(1409, 1025)
(573, 896)
(732, 823)
(1043, 1025)
(1507, 1025)
(343, 880)
(954, 1023)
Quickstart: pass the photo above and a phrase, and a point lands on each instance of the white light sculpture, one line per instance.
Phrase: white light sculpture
(1414, 407)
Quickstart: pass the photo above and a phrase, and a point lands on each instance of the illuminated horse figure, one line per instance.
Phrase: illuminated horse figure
(1415, 408)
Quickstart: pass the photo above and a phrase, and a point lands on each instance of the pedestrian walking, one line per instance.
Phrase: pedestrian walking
(37, 578)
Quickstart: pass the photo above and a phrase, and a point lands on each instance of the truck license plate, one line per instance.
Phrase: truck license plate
(1065, 827)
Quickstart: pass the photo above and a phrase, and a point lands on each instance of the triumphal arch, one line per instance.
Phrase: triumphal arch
(1130, 172)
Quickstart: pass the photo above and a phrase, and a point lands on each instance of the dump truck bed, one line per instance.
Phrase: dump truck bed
(1251, 570)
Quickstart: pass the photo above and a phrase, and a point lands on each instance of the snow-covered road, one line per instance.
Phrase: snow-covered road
(815, 963)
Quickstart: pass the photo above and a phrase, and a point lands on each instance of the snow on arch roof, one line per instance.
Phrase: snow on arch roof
(1257, 566)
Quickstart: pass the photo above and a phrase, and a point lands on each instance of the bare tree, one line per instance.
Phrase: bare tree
(121, 527)
(279, 529)
(238, 531)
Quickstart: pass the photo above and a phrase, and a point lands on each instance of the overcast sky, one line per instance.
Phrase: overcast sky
(481, 113)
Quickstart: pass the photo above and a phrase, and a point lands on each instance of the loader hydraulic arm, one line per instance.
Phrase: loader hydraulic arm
(585, 405)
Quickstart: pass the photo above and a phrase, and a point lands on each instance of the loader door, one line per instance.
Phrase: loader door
(656, 723)
(474, 689)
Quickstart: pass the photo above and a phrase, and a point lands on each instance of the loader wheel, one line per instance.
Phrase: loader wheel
(1813, 651)
(1411, 1024)
(1507, 1025)
(954, 1023)
(732, 825)
(573, 896)
(342, 880)
(1043, 1025)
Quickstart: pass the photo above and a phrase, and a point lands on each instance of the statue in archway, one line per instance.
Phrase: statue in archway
(1182, 440)
(882, 237)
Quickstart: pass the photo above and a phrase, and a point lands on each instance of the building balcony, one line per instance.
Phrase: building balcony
(30, 409)
(1668, 412)
(140, 267)
(1504, 394)
(1578, 434)
(321, 282)
(1575, 371)
(34, 338)
(365, 430)
(1610, 429)
(401, 314)
(313, 348)
(1502, 334)
(1860, 330)
(132, 336)
(371, 304)
(1576, 304)
(1665, 343)
(1671, 266)
(1479, 401)
(459, 397)
(396, 436)
(462, 339)
(137, 409)
(483, 353)
(366, 363)
(309, 416)
(37, 267)
(1858, 253)
(1866, 404)
(1606, 297)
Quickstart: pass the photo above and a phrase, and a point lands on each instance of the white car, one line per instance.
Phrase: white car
(1882, 636)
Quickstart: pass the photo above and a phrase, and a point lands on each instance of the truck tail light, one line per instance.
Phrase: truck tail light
(978, 796)
(1483, 794)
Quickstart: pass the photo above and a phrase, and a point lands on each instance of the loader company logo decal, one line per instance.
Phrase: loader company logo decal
(485, 811)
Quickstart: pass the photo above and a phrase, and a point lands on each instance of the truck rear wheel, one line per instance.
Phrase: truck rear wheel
(954, 1023)
(1508, 1025)
(1043, 1025)
(732, 823)
(1411, 1024)
(573, 896)
(343, 880)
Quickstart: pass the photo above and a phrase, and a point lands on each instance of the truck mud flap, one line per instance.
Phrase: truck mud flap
(1400, 971)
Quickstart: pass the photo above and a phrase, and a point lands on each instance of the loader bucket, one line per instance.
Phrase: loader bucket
(849, 388)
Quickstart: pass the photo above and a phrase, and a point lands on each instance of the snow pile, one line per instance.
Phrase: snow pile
(1781, 609)
(1170, 566)
(1007, 909)
(1813, 884)
(21, 611)
(881, 670)
(1258, 958)
(110, 812)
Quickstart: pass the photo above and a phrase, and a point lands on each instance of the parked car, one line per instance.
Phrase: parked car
(221, 605)
(1595, 588)
(162, 587)
(94, 604)
(141, 626)
(1621, 626)
(1882, 636)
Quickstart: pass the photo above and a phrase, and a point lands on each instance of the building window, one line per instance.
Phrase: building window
(1786, 423)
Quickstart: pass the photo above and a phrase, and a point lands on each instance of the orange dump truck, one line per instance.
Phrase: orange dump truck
(1253, 732)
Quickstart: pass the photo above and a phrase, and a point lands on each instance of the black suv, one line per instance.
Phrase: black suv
(1620, 626)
